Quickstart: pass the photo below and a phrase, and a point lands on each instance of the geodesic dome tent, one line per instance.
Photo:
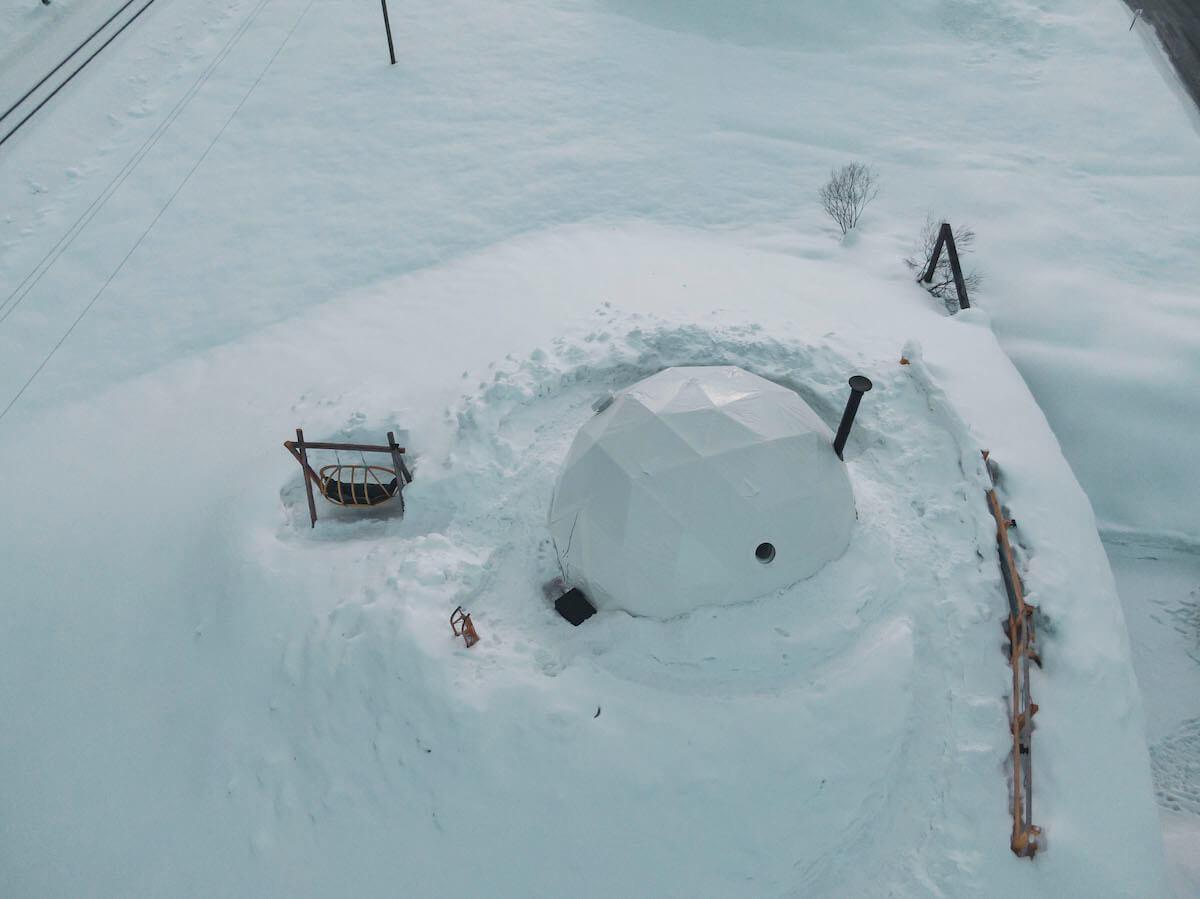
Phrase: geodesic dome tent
(699, 486)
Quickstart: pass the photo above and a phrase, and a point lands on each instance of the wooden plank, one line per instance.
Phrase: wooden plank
(960, 284)
(937, 253)
(350, 447)
(1018, 809)
(402, 472)
(1030, 709)
(308, 476)
(1008, 568)
(290, 446)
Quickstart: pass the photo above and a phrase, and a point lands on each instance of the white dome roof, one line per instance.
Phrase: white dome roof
(667, 494)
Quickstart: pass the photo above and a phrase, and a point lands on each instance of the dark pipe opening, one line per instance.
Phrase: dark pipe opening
(859, 384)
(765, 553)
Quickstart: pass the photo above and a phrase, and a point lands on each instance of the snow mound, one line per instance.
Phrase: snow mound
(699, 486)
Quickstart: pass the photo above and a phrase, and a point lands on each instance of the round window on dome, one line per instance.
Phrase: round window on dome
(765, 553)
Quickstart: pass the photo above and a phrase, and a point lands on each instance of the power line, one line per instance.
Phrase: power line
(161, 211)
(67, 80)
(31, 280)
(66, 59)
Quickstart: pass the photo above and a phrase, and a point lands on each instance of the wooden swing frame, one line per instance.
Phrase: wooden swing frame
(299, 449)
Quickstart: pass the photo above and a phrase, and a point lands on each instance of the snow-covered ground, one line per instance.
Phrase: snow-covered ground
(1160, 585)
(294, 695)
(230, 199)
(35, 37)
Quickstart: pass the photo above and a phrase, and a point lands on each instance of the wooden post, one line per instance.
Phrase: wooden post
(402, 475)
(312, 503)
(387, 26)
(402, 471)
(959, 284)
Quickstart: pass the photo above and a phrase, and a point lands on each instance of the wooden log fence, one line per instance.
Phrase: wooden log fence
(1021, 651)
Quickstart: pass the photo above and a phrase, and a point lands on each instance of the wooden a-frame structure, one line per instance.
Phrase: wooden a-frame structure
(945, 239)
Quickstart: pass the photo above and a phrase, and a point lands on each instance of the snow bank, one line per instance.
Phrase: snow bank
(209, 697)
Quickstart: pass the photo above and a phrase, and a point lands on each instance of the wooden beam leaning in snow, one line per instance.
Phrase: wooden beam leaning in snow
(1019, 628)
(946, 239)
(302, 457)
(398, 458)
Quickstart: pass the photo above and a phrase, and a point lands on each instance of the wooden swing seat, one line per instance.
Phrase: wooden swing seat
(358, 485)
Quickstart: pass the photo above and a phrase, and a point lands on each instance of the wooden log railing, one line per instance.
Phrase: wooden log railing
(1021, 651)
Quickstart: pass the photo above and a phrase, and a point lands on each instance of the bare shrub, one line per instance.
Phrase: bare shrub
(942, 285)
(847, 194)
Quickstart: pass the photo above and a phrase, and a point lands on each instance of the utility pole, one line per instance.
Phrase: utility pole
(387, 26)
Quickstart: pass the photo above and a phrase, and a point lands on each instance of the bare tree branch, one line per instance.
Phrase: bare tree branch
(847, 194)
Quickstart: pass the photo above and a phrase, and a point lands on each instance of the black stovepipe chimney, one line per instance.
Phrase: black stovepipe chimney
(858, 386)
